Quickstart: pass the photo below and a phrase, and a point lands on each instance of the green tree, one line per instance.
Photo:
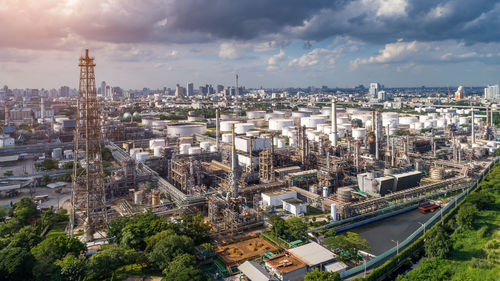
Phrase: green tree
(8, 173)
(438, 243)
(296, 228)
(71, 268)
(279, 227)
(481, 199)
(183, 268)
(167, 249)
(16, 264)
(348, 245)
(195, 228)
(317, 275)
(151, 241)
(101, 265)
(466, 215)
(25, 210)
(56, 247)
(25, 238)
(115, 228)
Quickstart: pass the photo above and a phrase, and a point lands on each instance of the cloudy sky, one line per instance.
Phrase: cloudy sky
(269, 43)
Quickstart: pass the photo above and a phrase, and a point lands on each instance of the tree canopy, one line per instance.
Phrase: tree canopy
(317, 275)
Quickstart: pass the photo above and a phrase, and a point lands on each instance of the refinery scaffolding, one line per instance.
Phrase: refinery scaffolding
(88, 201)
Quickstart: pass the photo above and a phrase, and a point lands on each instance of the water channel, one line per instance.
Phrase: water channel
(381, 233)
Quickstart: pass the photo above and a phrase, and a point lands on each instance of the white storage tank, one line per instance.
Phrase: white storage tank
(358, 133)
(293, 142)
(184, 148)
(275, 115)
(142, 156)
(227, 126)
(205, 145)
(157, 151)
(408, 120)
(441, 123)
(419, 126)
(342, 120)
(463, 120)
(325, 191)
(253, 134)
(301, 113)
(227, 138)
(312, 121)
(256, 114)
(213, 148)
(185, 129)
(194, 150)
(242, 128)
(279, 124)
(156, 142)
(228, 116)
(346, 127)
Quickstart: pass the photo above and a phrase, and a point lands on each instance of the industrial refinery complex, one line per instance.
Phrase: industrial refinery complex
(247, 160)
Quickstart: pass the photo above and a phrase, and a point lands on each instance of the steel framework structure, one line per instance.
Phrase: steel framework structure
(88, 199)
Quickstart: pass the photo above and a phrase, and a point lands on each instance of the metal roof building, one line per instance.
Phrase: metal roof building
(313, 254)
(255, 272)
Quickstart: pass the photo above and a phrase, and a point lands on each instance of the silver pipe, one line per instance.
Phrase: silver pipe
(334, 121)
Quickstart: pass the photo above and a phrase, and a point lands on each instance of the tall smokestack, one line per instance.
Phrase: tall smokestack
(473, 133)
(237, 90)
(234, 163)
(217, 128)
(334, 121)
(377, 136)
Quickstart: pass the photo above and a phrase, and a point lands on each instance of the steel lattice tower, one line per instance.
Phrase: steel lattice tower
(88, 200)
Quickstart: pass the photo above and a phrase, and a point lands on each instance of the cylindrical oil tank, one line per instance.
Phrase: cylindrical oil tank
(344, 195)
(227, 126)
(213, 148)
(419, 126)
(228, 116)
(227, 138)
(185, 129)
(157, 151)
(342, 120)
(138, 197)
(194, 150)
(437, 173)
(155, 198)
(312, 121)
(184, 148)
(279, 124)
(256, 114)
(253, 133)
(407, 120)
(205, 145)
(272, 115)
(242, 128)
(301, 113)
(325, 191)
(358, 133)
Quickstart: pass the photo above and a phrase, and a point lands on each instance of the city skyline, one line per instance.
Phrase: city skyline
(271, 44)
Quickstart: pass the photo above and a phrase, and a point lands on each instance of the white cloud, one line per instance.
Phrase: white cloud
(273, 63)
(319, 56)
(234, 50)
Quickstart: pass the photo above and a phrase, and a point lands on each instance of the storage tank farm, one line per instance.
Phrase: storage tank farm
(338, 155)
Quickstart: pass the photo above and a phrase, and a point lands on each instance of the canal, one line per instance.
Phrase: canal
(381, 233)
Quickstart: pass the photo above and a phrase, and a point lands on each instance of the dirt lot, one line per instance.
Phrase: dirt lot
(241, 250)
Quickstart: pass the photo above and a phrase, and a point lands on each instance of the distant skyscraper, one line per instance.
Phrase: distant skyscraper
(492, 93)
(179, 91)
(190, 89)
(220, 88)
(103, 88)
(373, 91)
(64, 91)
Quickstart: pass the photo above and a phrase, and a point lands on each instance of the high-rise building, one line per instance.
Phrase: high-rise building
(102, 90)
(220, 88)
(190, 89)
(64, 91)
(179, 91)
(373, 91)
(492, 93)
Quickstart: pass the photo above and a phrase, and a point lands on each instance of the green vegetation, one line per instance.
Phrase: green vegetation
(8, 173)
(290, 230)
(33, 246)
(47, 164)
(347, 245)
(474, 247)
(317, 275)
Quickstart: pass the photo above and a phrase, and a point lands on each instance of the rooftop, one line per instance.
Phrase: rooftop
(254, 271)
(293, 201)
(312, 254)
(285, 263)
(277, 192)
